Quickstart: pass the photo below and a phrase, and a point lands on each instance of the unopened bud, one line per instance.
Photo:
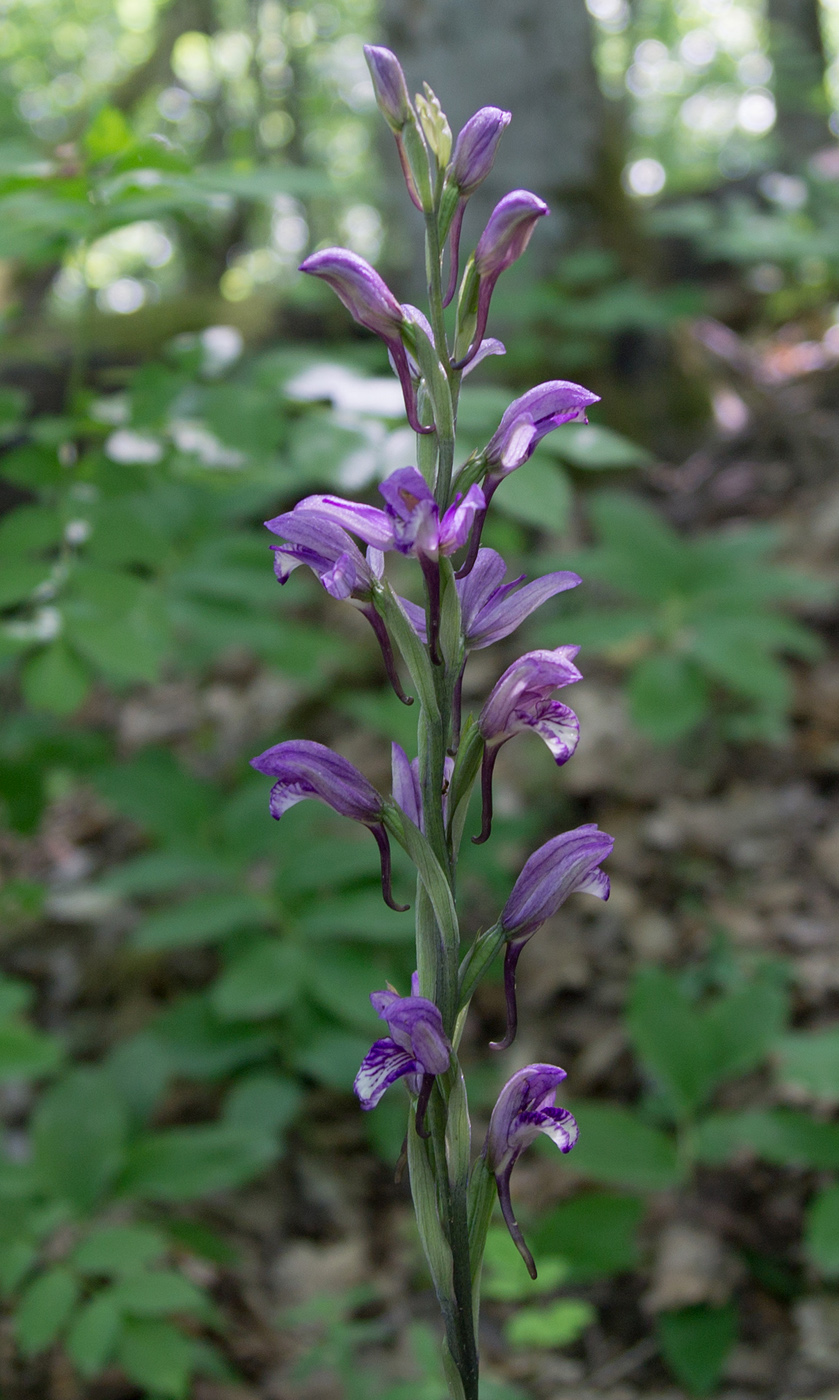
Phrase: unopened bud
(435, 125)
(475, 150)
(389, 86)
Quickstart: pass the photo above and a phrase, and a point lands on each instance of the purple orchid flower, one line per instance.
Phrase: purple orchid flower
(507, 234)
(304, 769)
(406, 789)
(339, 565)
(472, 160)
(519, 701)
(417, 1047)
(569, 864)
(491, 609)
(528, 419)
(411, 523)
(487, 347)
(372, 304)
(526, 1107)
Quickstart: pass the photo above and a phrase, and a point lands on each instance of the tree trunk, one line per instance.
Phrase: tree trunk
(797, 53)
(532, 57)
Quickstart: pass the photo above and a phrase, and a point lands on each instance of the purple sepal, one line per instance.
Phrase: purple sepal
(566, 865)
(372, 304)
(389, 86)
(368, 522)
(415, 517)
(418, 1046)
(526, 1107)
(306, 769)
(492, 609)
(532, 417)
(507, 234)
(326, 548)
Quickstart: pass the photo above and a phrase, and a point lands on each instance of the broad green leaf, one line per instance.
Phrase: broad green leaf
(539, 494)
(139, 1067)
(332, 1058)
(263, 1101)
(200, 1046)
(691, 1049)
(157, 1357)
(558, 1325)
(503, 1276)
(79, 1129)
(821, 1231)
(616, 1147)
(809, 1060)
(92, 1339)
(157, 1292)
(776, 1134)
(25, 1052)
(183, 1162)
(696, 1342)
(28, 530)
(19, 581)
(54, 679)
(596, 1233)
(668, 696)
(203, 919)
(156, 791)
(591, 447)
(44, 1309)
(361, 915)
(640, 554)
(264, 980)
(116, 1250)
(107, 135)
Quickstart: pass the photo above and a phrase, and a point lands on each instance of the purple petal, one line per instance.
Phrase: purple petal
(307, 769)
(519, 696)
(368, 522)
(491, 610)
(559, 727)
(416, 617)
(364, 293)
(559, 1124)
(475, 148)
(389, 86)
(508, 232)
(486, 347)
(529, 1089)
(417, 1025)
(457, 521)
(533, 415)
(384, 1063)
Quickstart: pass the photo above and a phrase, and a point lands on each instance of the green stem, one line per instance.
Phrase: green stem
(453, 1213)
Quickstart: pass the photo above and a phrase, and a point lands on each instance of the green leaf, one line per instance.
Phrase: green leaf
(591, 447)
(19, 581)
(200, 1046)
(332, 1058)
(776, 1134)
(44, 1309)
(263, 1101)
(79, 1129)
(596, 1234)
(361, 915)
(556, 1326)
(641, 554)
(696, 1342)
(668, 696)
(809, 1060)
(116, 1250)
(616, 1147)
(183, 1162)
(29, 530)
(25, 1052)
(92, 1339)
(262, 981)
(690, 1049)
(107, 135)
(503, 1276)
(157, 1292)
(55, 680)
(157, 1357)
(821, 1231)
(139, 1068)
(203, 919)
(155, 791)
(539, 494)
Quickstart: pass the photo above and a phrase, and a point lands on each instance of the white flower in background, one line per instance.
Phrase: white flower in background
(132, 448)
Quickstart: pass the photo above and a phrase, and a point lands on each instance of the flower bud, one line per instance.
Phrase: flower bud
(435, 125)
(508, 232)
(389, 86)
(475, 149)
(364, 293)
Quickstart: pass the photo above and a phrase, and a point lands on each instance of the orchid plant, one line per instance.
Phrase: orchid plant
(435, 511)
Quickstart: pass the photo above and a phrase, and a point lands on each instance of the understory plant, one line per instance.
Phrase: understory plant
(434, 511)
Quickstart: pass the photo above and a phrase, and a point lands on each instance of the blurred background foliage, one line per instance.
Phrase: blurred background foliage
(183, 997)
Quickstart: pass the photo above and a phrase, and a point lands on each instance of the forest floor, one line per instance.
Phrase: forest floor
(709, 841)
